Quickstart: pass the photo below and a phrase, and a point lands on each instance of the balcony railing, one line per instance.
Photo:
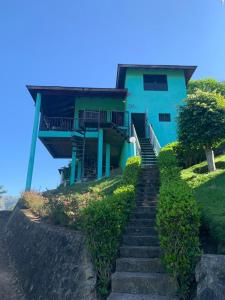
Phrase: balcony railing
(56, 123)
(86, 119)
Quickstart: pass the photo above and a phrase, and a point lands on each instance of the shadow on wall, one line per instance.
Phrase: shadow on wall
(51, 262)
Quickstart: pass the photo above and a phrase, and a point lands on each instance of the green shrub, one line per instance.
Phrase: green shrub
(104, 221)
(131, 171)
(178, 221)
(57, 211)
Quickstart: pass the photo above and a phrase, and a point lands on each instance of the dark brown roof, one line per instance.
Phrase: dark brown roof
(75, 91)
(121, 71)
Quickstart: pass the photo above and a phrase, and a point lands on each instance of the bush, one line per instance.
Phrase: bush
(104, 221)
(34, 201)
(57, 211)
(132, 169)
(178, 221)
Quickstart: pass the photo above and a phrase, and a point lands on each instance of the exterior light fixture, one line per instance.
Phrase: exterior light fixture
(132, 139)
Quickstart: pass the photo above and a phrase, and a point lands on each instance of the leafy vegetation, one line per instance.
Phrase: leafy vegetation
(201, 123)
(209, 191)
(178, 221)
(62, 206)
(131, 171)
(206, 85)
(104, 221)
(35, 201)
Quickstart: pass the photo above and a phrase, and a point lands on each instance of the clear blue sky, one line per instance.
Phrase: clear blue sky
(80, 43)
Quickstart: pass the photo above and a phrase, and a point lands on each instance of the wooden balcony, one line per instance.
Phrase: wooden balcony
(87, 119)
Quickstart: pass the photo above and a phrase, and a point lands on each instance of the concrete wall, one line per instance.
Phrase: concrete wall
(156, 102)
(51, 262)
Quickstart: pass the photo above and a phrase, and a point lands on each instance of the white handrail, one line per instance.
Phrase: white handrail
(137, 144)
(154, 141)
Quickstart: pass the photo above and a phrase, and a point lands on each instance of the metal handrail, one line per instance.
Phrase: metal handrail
(153, 140)
(137, 144)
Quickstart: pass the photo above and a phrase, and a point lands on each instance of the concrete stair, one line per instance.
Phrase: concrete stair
(140, 251)
(148, 157)
(145, 283)
(143, 265)
(124, 296)
(139, 273)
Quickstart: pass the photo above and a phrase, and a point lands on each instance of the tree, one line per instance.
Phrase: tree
(2, 191)
(1, 200)
(206, 85)
(201, 123)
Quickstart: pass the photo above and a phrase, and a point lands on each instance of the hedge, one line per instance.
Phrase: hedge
(178, 221)
(104, 221)
(132, 169)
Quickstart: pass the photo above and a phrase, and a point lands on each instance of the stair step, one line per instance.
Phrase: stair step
(143, 215)
(143, 265)
(142, 222)
(148, 159)
(144, 230)
(149, 209)
(146, 200)
(140, 251)
(145, 203)
(133, 240)
(125, 296)
(147, 193)
(151, 189)
(145, 283)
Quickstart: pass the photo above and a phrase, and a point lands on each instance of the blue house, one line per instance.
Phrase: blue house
(99, 128)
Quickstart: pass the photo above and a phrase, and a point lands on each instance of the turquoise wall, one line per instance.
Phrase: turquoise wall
(156, 102)
(126, 152)
(95, 103)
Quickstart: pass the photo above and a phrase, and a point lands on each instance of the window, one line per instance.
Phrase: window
(164, 118)
(155, 83)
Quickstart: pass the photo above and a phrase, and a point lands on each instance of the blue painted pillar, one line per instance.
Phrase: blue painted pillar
(107, 160)
(33, 143)
(100, 153)
(79, 170)
(73, 166)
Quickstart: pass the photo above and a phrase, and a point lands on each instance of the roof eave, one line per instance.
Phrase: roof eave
(121, 70)
(73, 91)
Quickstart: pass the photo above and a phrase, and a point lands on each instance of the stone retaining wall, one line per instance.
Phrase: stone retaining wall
(51, 262)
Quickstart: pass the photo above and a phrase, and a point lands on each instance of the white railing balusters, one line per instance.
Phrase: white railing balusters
(137, 144)
(154, 141)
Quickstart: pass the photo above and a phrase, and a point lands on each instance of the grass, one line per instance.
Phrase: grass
(209, 189)
(63, 205)
(100, 187)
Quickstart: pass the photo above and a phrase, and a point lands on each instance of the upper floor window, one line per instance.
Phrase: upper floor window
(164, 118)
(155, 82)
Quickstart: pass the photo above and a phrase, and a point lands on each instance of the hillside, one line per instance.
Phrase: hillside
(64, 204)
(209, 189)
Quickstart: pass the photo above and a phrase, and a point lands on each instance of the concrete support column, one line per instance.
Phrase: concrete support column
(73, 166)
(33, 143)
(107, 160)
(79, 170)
(100, 153)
